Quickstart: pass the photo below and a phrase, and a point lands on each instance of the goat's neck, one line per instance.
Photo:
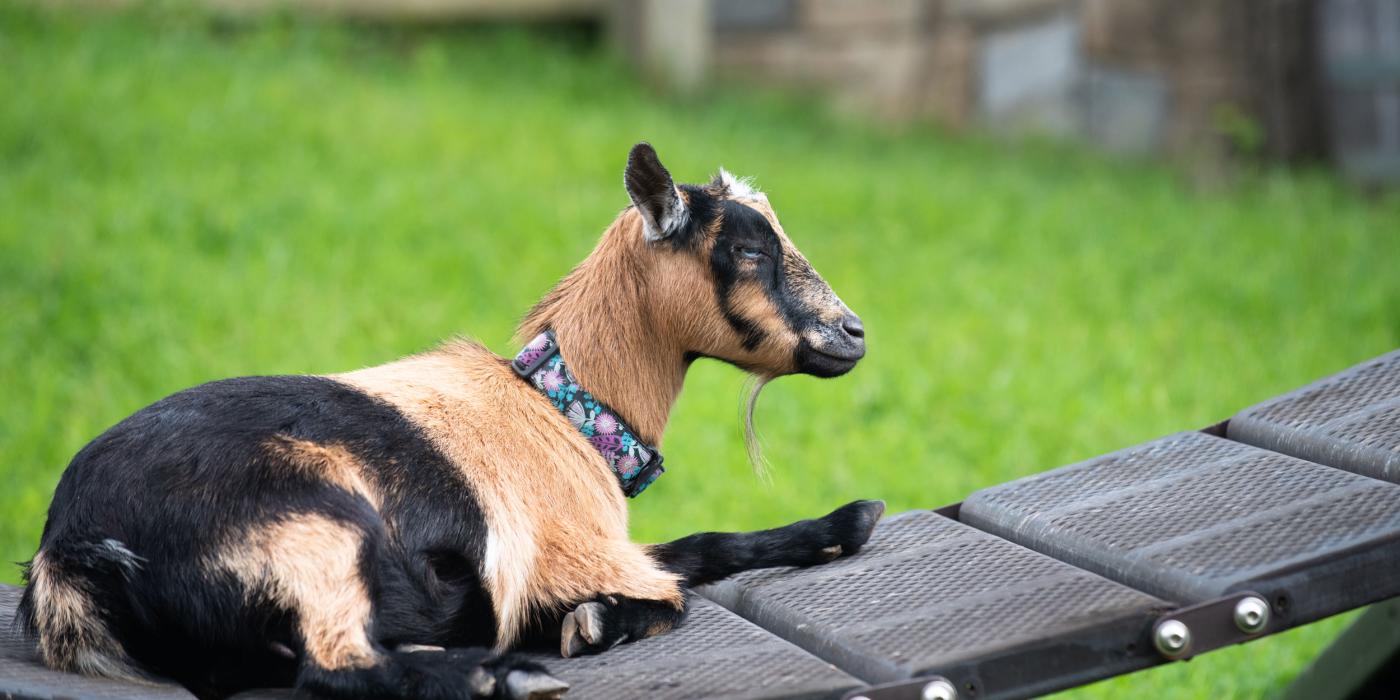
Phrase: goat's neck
(613, 342)
(619, 357)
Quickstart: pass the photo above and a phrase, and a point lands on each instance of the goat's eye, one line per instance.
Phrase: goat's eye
(750, 253)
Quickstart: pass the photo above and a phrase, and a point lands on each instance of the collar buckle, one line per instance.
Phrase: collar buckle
(643, 479)
(526, 366)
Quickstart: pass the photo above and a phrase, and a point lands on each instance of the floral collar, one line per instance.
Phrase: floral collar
(635, 464)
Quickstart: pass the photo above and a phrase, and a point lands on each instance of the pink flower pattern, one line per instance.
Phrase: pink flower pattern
(552, 381)
(605, 423)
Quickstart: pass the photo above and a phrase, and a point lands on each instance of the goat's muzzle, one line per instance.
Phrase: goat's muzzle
(836, 349)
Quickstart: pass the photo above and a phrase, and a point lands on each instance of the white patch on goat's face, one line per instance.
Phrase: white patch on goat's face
(739, 187)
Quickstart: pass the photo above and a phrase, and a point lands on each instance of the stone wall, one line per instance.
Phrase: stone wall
(395, 10)
(1239, 75)
(1195, 77)
(1176, 76)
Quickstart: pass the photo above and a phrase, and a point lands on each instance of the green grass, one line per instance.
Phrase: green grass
(183, 200)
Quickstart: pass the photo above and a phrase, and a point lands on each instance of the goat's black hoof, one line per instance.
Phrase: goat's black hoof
(853, 523)
(534, 685)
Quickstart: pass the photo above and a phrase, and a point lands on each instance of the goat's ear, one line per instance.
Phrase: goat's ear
(656, 196)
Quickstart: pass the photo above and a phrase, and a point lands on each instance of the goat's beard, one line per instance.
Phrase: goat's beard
(752, 444)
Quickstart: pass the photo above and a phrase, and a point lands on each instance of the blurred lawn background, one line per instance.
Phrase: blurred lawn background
(184, 199)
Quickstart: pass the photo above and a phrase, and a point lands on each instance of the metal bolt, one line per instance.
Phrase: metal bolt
(1172, 638)
(939, 689)
(1251, 614)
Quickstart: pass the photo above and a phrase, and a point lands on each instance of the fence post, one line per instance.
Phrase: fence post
(667, 40)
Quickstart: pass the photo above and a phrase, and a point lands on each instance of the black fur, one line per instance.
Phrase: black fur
(711, 556)
(425, 675)
(621, 619)
(181, 478)
(707, 557)
(184, 477)
(653, 193)
(744, 227)
(648, 181)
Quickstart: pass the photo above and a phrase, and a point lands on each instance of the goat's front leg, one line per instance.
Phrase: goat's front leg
(611, 619)
(710, 556)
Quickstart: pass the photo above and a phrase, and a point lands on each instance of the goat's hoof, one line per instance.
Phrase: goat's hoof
(570, 641)
(416, 648)
(853, 523)
(534, 685)
(583, 628)
(512, 677)
(482, 683)
(590, 621)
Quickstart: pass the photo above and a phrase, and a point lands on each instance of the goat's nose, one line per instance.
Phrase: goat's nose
(852, 325)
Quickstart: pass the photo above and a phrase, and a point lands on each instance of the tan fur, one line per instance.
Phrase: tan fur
(620, 292)
(333, 463)
(658, 628)
(654, 305)
(759, 202)
(72, 636)
(775, 354)
(309, 564)
(558, 521)
(625, 319)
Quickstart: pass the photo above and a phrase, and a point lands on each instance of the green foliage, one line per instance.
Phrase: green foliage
(183, 199)
(1244, 133)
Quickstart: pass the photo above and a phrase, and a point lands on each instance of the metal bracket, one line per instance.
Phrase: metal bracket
(925, 688)
(1180, 634)
(1236, 618)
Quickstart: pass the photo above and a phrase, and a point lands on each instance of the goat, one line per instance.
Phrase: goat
(396, 531)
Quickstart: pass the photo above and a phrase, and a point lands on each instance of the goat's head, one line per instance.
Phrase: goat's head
(722, 276)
